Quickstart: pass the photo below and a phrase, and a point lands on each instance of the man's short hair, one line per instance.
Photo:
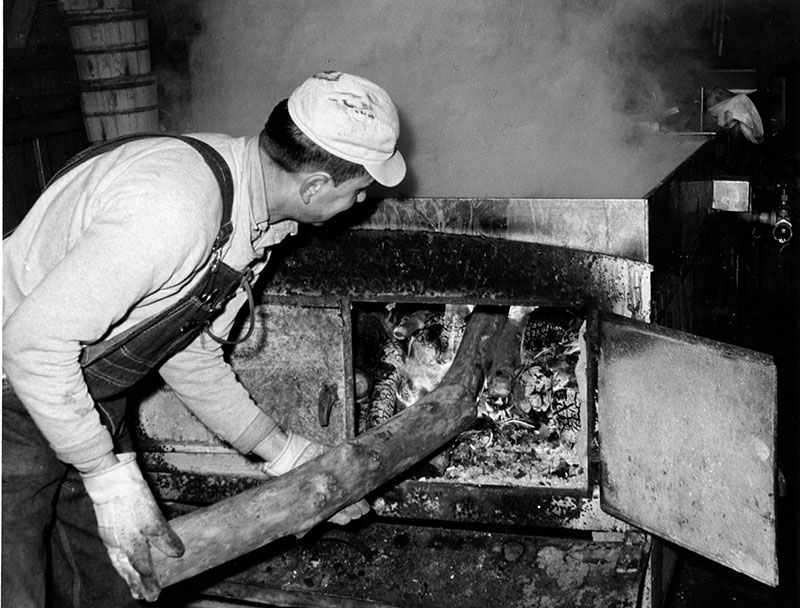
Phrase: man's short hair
(289, 148)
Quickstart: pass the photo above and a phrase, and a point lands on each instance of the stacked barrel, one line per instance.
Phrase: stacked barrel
(110, 41)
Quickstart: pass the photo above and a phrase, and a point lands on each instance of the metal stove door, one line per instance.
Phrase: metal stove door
(687, 431)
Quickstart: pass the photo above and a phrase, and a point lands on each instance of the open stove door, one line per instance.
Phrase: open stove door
(687, 430)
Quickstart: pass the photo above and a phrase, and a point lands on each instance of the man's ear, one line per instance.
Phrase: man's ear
(313, 185)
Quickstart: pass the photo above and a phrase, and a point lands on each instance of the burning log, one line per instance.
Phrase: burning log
(383, 402)
(414, 356)
(506, 359)
(538, 439)
(297, 501)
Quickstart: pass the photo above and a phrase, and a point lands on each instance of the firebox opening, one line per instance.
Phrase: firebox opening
(532, 425)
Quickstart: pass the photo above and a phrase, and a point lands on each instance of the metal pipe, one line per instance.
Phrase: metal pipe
(780, 221)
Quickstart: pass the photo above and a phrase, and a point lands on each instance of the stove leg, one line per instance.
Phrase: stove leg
(664, 563)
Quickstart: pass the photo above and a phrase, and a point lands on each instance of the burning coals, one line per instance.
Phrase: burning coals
(530, 427)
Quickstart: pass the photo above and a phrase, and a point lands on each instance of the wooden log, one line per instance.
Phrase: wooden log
(297, 501)
(501, 377)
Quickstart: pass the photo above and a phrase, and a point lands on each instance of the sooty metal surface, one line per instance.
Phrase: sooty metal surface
(453, 268)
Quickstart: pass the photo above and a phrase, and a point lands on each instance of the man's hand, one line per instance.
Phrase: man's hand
(296, 450)
(299, 450)
(129, 522)
(351, 512)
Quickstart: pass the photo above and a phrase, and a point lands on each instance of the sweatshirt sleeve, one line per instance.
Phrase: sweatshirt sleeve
(133, 246)
(206, 384)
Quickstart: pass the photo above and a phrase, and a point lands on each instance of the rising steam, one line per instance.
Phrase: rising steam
(503, 98)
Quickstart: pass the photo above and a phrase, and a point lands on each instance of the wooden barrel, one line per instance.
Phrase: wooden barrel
(120, 106)
(110, 45)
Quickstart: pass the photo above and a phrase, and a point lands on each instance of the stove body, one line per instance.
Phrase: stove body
(554, 541)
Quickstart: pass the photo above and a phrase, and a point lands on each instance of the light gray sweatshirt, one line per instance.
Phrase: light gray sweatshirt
(111, 243)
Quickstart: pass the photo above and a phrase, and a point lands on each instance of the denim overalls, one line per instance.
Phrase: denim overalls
(43, 497)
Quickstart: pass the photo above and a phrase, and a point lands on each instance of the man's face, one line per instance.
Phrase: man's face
(332, 200)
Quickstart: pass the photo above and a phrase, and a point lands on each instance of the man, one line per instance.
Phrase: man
(119, 268)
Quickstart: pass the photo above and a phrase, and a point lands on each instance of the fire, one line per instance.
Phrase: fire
(422, 371)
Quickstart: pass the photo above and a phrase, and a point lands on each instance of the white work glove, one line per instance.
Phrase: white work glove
(299, 450)
(129, 522)
(296, 451)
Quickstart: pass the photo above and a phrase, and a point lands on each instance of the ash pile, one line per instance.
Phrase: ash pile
(531, 424)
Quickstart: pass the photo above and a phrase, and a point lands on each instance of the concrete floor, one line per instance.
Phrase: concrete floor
(699, 583)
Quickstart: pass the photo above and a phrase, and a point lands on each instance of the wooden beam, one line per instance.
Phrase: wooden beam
(20, 23)
(299, 500)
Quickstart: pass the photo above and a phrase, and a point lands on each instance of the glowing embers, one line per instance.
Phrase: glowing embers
(530, 429)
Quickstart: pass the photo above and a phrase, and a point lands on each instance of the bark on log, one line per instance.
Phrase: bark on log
(501, 377)
(299, 500)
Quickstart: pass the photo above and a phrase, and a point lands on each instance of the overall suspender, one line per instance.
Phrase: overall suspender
(213, 159)
(113, 365)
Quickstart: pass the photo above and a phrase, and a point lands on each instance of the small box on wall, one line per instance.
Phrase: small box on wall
(732, 195)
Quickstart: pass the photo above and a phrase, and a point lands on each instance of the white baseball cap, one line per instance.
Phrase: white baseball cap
(353, 119)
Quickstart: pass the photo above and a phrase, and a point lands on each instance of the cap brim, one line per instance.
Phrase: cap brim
(390, 172)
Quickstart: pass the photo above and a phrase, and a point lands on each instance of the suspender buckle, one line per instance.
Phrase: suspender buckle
(217, 259)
